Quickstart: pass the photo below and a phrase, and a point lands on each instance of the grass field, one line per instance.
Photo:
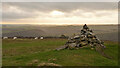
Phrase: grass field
(34, 52)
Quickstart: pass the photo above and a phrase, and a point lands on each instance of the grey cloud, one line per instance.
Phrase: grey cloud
(13, 15)
(65, 6)
(31, 7)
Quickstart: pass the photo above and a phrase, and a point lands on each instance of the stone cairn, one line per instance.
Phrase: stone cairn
(84, 39)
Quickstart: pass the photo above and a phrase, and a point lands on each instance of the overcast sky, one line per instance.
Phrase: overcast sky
(59, 13)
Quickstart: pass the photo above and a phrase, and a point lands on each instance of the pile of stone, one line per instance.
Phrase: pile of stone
(85, 38)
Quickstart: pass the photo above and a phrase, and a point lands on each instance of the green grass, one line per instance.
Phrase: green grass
(23, 52)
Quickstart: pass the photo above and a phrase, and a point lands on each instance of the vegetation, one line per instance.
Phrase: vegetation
(27, 52)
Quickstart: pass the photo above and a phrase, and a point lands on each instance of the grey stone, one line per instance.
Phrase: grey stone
(62, 47)
(72, 46)
(87, 37)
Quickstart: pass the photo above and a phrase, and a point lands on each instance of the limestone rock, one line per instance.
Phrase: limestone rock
(85, 38)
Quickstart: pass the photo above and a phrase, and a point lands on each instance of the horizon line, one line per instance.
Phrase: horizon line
(58, 24)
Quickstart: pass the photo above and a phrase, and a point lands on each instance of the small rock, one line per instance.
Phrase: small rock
(35, 61)
(72, 45)
(48, 64)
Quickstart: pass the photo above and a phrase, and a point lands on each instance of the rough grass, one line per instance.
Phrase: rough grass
(34, 52)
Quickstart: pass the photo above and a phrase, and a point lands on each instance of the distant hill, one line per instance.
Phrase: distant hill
(26, 33)
(104, 32)
(113, 36)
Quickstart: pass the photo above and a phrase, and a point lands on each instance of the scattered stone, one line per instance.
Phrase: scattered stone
(35, 61)
(52, 59)
(62, 47)
(72, 46)
(48, 64)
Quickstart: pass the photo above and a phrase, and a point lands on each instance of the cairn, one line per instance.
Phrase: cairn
(84, 39)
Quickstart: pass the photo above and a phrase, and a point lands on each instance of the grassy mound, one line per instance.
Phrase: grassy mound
(35, 52)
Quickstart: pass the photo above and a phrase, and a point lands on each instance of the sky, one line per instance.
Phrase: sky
(59, 13)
